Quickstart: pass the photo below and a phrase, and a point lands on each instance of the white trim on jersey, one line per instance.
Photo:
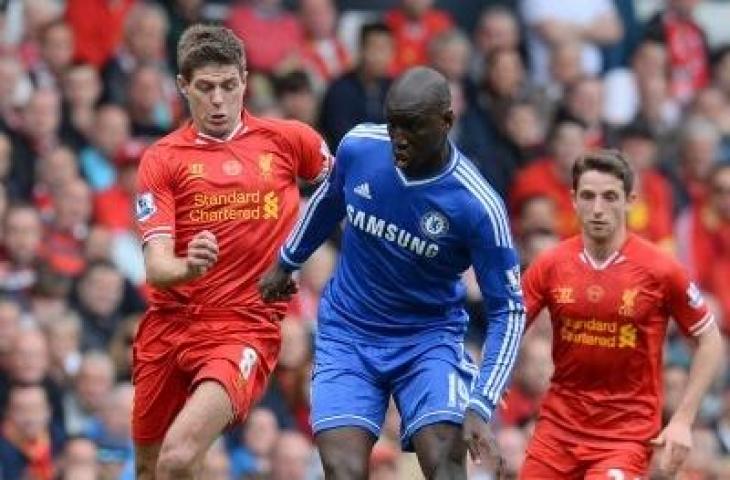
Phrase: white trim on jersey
(208, 138)
(492, 205)
(507, 354)
(295, 237)
(699, 327)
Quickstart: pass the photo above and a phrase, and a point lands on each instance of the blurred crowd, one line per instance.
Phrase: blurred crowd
(85, 85)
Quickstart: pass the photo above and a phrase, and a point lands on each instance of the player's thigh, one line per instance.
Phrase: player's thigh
(199, 423)
(441, 451)
(344, 391)
(345, 452)
(433, 388)
(160, 391)
(545, 468)
(237, 366)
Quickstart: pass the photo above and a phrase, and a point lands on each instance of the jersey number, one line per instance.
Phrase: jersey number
(248, 360)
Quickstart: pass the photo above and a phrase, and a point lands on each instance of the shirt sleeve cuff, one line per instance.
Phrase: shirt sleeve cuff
(480, 408)
(287, 263)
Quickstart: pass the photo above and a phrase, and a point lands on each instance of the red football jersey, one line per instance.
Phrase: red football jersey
(243, 189)
(609, 323)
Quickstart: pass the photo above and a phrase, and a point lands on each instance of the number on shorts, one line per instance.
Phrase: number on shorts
(458, 392)
(248, 360)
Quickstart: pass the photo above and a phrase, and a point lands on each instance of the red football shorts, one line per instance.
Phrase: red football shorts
(550, 456)
(176, 349)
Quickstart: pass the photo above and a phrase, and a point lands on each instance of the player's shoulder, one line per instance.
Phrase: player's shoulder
(565, 251)
(653, 258)
(479, 193)
(284, 129)
(367, 133)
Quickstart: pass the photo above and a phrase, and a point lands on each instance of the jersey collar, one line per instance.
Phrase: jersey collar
(422, 181)
(615, 258)
(200, 138)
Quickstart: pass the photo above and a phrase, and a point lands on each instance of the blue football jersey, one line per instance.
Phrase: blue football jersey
(405, 245)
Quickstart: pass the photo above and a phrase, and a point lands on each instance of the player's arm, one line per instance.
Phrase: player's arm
(155, 211)
(323, 213)
(496, 265)
(164, 269)
(533, 288)
(694, 318)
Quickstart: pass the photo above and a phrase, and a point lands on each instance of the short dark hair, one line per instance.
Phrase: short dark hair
(373, 28)
(296, 81)
(202, 45)
(611, 162)
(563, 118)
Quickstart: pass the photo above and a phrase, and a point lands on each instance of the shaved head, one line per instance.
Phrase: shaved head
(418, 111)
(420, 90)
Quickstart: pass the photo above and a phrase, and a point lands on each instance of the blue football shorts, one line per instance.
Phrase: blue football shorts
(352, 383)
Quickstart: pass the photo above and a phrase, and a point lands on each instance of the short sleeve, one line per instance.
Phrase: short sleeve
(685, 302)
(312, 156)
(155, 202)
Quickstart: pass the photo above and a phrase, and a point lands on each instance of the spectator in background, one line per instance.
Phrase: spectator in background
(114, 206)
(254, 21)
(565, 69)
(28, 444)
(78, 461)
(704, 231)
(712, 104)
(55, 170)
(449, 53)
(592, 24)
(64, 345)
(621, 102)
(98, 27)
(414, 24)
(323, 54)
(82, 89)
(292, 457)
(9, 328)
(359, 96)
(698, 151)
(82, 405)
(687, 50)
(113, 432)
(295, 95)
(252, 456)
(151, 114)
(15, 90)
(584, 101)
(145, 32)
(651, 213)
(38, 135)
(65, 234)
(111, 132)
(99, 296)
(56, 54)
(22, 235)
(120, 348)
(551, 176)
(181, 14)
(497, 29)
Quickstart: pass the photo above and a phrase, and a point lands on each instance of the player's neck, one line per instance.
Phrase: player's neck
(600, 250)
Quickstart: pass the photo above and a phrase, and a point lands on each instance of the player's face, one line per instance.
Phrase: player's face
(418, 137)
(215, 96)
(601, 205)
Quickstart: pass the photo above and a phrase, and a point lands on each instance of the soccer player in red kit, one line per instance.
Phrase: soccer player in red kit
(215, 201)
(610, 295)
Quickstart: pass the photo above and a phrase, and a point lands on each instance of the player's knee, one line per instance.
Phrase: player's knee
(176, 460)
(343, 465)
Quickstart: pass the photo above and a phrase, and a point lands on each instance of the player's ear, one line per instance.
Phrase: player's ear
(631, 198)
(574, 199)
(244, 81)
(449, 118)
(182, 85)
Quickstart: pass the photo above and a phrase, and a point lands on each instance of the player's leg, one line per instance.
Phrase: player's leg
(348, 408)
(160, 391)
(345, 452)
(200, 422)
(431, 393)
(441, 451)
(229, 378)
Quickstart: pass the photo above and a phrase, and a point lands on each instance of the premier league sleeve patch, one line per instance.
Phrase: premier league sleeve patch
(145, 206)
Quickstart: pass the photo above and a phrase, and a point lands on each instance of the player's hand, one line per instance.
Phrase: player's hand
(277, 285)
(202, 253)
(676, 438)
(481, 442)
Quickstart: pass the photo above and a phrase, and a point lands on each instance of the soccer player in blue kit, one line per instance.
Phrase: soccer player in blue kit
(392, 318)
